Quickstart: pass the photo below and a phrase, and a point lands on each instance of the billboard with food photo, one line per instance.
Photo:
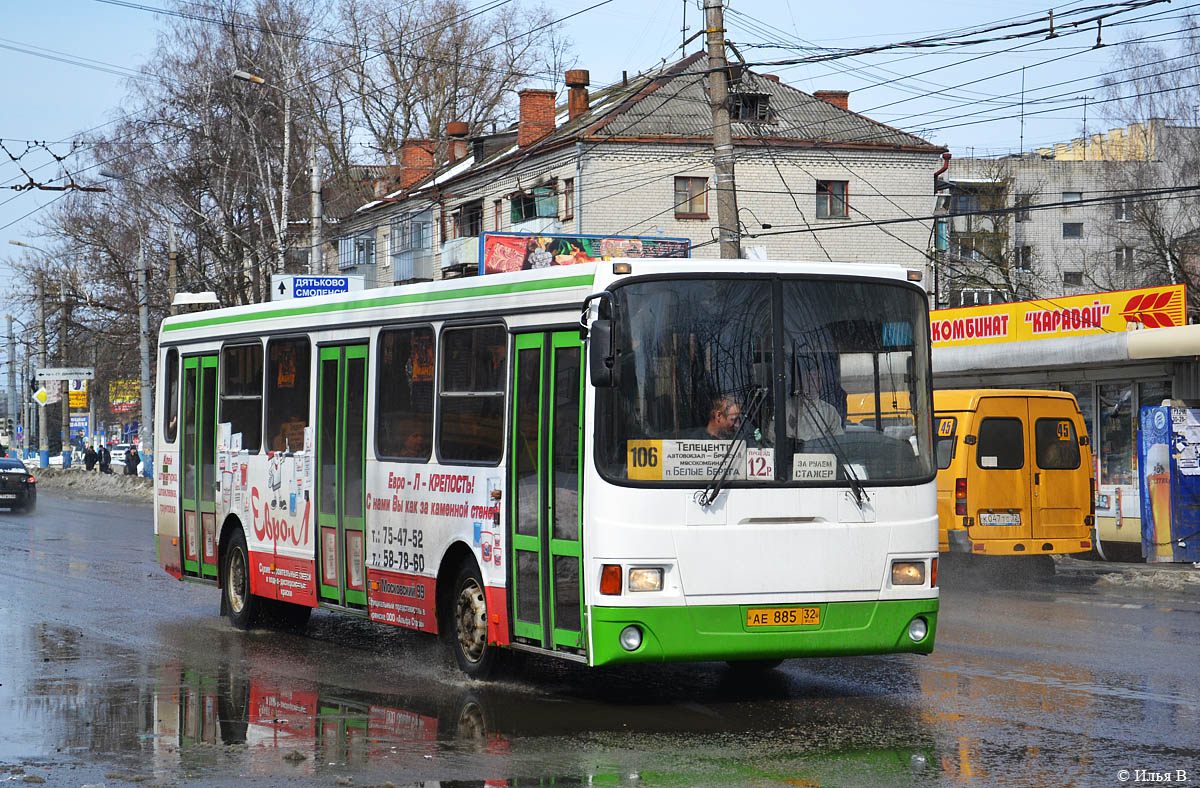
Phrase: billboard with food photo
(504, 252)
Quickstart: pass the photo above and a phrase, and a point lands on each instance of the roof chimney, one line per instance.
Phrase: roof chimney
(537, 116)
(416, 162)
(577, 80)
(457, 132)
(838, 98)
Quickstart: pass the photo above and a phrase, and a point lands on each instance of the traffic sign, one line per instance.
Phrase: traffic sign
(66, 373)
(285, 286)
(41, 396)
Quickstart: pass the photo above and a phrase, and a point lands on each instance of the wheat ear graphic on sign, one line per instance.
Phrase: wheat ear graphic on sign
(1149, 309)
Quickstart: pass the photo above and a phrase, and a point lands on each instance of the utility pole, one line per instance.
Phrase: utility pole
(315, 229)
(728, 229)
(12, 378)
(284, 187)
(144, 445)
(64, 341)
(172, 266)
(43, 436)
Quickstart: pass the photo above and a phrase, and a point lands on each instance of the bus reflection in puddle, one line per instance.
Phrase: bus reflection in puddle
(279, 725)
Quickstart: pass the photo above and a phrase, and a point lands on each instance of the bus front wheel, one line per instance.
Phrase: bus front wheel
(466, 624)
(240, 605)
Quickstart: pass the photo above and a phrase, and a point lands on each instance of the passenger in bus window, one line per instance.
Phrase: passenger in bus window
(809, 412)
(724, 418)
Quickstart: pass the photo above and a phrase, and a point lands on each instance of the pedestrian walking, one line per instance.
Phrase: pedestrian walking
(89, 459)
(131, 462)
(105, 459)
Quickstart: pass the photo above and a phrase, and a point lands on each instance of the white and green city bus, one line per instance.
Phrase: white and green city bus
(627, 461)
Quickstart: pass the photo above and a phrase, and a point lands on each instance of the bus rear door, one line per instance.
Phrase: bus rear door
(1061, 476)
(197, 488)
(341, 468)
(545, 492)
(999, 475)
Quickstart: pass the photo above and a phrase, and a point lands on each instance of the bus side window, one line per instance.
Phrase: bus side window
(242, 391)
(171, 398)
(404, 414)
(471, 401)
(289, 362)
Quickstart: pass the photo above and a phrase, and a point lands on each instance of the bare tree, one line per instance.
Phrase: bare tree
(1156, 89)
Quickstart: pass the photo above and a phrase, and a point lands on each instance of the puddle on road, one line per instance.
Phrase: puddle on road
(279, 708)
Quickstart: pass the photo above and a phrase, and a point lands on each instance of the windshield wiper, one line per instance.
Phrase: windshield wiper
(709, 494)
(824, 433)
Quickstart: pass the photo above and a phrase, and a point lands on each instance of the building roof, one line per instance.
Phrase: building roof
(670, 105)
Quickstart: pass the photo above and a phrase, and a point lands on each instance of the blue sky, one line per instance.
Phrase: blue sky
(52, 101)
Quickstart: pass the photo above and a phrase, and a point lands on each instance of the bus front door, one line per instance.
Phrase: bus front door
(341, 468)
(545, 492)
(197, 486)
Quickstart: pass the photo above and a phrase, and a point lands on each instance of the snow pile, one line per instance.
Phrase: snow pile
(78, 482)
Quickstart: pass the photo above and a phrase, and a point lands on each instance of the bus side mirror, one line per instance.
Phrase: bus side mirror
(600, 353)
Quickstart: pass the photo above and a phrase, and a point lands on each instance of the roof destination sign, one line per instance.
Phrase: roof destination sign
(285, 286)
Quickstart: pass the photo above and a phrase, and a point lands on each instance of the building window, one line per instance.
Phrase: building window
(960, 202)
(1122, 209)
(569, 198)
(1022, 204)
(242, 393)
(468, 220)
(539, 203)
(1072, 196)
(1124, 257)
(691, 198)
(971, 296)
(750, 107)
(356, 250)
(1072, 229)
(832, 200)
(1073, 278)
(1025, 258)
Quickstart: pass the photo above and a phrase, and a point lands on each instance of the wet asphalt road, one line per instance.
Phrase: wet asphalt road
(113, 673)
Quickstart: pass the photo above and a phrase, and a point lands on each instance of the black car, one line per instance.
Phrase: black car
(18, 487)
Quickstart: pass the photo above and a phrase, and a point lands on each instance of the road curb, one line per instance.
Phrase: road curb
(1172, 576)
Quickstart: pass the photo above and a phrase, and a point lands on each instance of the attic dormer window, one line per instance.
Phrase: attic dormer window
(750, 107)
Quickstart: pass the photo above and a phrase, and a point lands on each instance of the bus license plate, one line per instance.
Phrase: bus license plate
(1000, 518)
(783, 616)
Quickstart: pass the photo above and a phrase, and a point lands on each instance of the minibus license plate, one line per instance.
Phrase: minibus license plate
(783, 616)
(1000, 518)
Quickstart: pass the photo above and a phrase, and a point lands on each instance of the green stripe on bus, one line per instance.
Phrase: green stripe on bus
(370, 303)
(719, 632)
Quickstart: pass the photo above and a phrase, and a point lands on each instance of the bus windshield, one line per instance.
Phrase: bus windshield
(766, 380)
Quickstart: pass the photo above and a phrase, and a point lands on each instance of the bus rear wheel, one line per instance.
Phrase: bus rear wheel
(242, 607)
(465, 629)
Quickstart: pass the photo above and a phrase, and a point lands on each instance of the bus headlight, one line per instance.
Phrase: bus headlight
(646, 579)
(917, 630)
(631, 638)
(908, 573)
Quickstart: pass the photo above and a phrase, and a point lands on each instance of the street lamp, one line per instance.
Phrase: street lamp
(281, 239)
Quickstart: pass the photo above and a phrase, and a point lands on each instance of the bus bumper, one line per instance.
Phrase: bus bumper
(720, 632)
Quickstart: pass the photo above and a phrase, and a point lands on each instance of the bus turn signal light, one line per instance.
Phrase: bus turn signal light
(933, 574)
(960, 496)
(610, 579)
